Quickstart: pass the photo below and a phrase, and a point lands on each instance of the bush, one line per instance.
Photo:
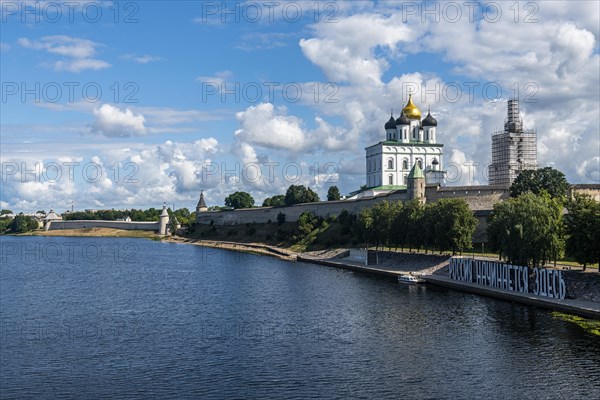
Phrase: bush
(22, 223)
(280, 218)
(307, 222)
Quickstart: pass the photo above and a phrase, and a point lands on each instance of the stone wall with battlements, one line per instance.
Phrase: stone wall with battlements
(478, 197)
(322, 209)
(481, 199)
(81, 224)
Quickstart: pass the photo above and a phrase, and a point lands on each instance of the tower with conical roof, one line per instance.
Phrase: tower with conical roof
(201, 206)
(164, 221)
(415, 187)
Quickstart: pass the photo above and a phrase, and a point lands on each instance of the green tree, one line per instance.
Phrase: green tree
(381, 214)
(275, 201)
(239, 200)
(397, 233)
(414, 211)
(183, 215)
(23, 223)
(452, 223)
(297, 194)
(537, 180)
(4, 224)
(365, 226)
(333, 193)
(5, 211)
(307, 221)
(527, 230)
(582, 225)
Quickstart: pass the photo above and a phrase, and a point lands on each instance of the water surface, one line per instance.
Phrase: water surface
(105, 318)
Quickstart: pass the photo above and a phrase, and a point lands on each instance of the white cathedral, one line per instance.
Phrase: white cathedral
(409, 141)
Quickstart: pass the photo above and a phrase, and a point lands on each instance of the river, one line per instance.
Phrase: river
(134, 318)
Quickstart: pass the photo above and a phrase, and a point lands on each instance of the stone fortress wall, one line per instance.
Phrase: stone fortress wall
(82, 224)
(481, 199)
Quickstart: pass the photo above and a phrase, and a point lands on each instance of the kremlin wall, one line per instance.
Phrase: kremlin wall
(481, 199)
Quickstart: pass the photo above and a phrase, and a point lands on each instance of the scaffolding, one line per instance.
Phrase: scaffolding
(513, 150)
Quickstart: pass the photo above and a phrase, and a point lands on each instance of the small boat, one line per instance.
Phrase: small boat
(410, 279)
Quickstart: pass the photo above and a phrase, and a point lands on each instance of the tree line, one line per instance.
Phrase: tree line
(539, 223)
(295, 194)
(446, 225)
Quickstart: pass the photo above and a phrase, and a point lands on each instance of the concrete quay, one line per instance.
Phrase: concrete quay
(586, 309)
(582, 308)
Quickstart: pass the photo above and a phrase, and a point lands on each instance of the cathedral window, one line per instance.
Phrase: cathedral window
(390, 164)
(391, 180)
(420, 163)
(405, 164)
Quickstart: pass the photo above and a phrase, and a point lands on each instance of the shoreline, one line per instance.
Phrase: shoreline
(254, 248)
(583, 308)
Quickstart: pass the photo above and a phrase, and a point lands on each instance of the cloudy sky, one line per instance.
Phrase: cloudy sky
(132, 104)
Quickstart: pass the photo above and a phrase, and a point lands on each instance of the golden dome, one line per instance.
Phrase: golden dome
(410, 110)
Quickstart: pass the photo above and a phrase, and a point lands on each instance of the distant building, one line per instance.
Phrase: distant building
(587, 189)
(409, 141)
(513, 150)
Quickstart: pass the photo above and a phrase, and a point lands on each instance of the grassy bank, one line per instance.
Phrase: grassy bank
(326, 234)
(95, 232)
(286, 235)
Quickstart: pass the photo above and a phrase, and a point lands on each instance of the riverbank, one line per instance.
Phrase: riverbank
(256, 248)
(96, 232)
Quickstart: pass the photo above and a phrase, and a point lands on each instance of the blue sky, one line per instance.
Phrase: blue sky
(162, 129)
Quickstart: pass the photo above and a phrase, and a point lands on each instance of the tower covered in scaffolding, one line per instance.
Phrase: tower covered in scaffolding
(513, 150)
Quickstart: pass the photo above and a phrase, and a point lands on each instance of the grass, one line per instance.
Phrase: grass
(589, 325)
(95, 232)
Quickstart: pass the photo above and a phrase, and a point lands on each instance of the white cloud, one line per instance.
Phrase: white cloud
(219, 78)
(79, 53)
(79, 65)
(145, 59)
(268, 127)
(144, 176)
(113, 122)
(345, 50)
